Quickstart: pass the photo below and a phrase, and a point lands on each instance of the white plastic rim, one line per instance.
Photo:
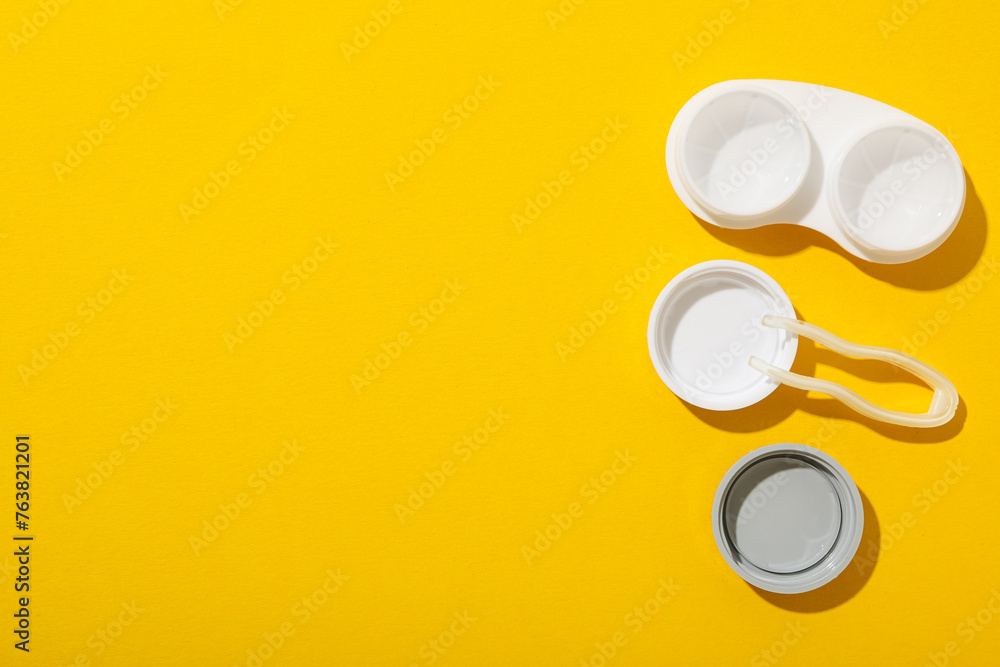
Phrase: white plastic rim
(707, 323)
(787, 518)
(897, 188)
(744, 152)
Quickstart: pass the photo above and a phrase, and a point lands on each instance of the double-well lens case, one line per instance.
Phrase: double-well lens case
(883, 184)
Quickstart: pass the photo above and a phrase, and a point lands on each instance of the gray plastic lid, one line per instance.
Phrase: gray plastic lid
(787, 518)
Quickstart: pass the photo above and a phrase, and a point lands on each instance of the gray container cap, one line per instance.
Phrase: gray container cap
(787, 518)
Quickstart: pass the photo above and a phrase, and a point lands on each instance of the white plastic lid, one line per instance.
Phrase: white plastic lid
(705, 326)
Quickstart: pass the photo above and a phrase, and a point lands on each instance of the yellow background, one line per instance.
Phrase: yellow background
(494, 346)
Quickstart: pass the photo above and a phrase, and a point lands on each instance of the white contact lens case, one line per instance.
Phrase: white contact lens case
(722, 335)
(886, 186)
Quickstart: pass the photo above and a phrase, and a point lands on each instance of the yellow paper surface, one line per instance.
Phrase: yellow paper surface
(205, 256)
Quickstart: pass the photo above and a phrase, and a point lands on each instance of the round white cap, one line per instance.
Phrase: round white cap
(707, 323)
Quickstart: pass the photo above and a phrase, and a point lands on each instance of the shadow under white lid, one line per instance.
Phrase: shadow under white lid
(783, 515)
